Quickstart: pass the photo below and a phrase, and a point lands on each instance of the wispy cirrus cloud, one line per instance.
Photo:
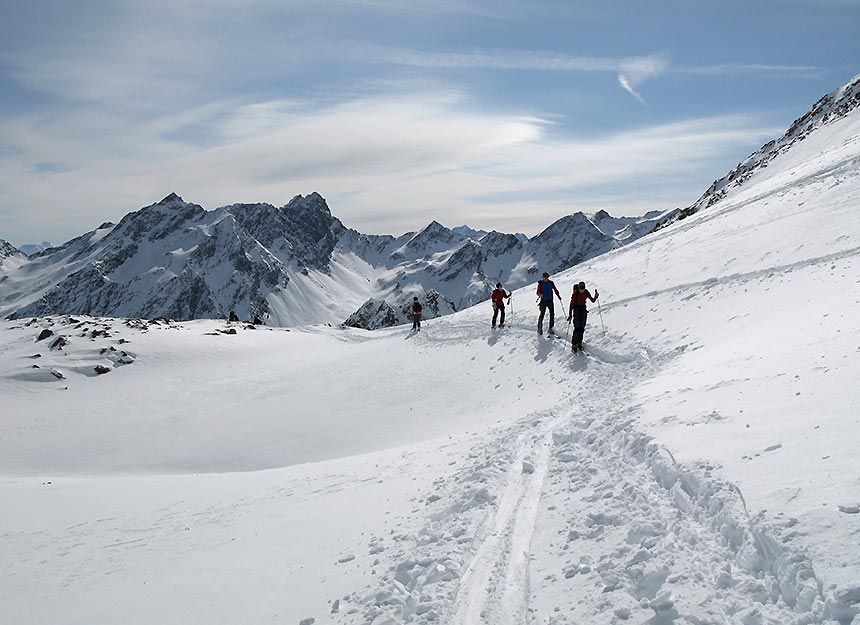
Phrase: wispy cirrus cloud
(724, 69)
(631, 71)
(388, 162)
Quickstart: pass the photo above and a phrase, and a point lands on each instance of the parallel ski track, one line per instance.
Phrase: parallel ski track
(494, 587)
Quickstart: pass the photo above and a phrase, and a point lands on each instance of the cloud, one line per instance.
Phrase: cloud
(625, 84)
(398, 159)
(631, 71)
(746, 68)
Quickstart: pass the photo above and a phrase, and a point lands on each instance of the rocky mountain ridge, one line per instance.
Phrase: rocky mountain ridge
(828, 109)
(292, 265)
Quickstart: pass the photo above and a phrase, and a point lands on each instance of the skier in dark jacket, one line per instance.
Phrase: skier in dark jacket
(579, 313)
(545, 289)
(498, 298)
(416, 314)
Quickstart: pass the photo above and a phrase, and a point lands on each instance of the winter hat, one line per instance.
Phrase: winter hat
(498, 285)
(582, 285)
(545, 275)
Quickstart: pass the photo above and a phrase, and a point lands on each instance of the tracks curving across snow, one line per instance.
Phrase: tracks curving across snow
(573, 515)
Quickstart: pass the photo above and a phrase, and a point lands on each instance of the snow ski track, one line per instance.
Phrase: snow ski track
(494, 587)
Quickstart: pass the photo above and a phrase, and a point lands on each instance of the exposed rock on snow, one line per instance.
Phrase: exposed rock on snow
(374, 314)
(44, 334)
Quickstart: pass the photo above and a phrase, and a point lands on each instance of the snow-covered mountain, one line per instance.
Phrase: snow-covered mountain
(697, 464)
(10, 256)
(830, 108)
(291, 265)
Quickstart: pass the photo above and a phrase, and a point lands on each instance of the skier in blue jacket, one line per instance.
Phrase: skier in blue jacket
(545, 289)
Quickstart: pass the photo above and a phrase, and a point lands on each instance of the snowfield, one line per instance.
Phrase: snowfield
(699, 464)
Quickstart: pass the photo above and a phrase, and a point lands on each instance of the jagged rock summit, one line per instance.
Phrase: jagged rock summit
(290, 265)
(10, 255)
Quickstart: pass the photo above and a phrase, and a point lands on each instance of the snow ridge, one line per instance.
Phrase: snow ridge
(830, 108)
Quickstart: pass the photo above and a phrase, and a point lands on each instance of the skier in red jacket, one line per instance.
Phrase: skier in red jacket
(498, 299)
(579, 313)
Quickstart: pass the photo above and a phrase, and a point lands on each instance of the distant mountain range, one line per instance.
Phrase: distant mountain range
(297, 264)
(291, 265)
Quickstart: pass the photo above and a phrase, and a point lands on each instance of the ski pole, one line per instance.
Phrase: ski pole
(601, 316)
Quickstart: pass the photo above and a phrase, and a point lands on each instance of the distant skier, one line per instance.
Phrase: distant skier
(416, 314)
(498, 299)
(579, 313)
(545, 289)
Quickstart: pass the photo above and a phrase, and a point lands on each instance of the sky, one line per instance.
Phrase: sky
(497, 114)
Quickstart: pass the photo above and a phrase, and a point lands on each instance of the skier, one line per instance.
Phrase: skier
(579, 313)
(545, 289)
(498, 299)
(416, 314)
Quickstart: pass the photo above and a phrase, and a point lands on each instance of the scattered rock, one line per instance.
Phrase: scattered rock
(101, 369)
(849, 509)
(229, 331)
(308, 621)
(36, 356)
(59, 343)
(44, 334)
(57, 374)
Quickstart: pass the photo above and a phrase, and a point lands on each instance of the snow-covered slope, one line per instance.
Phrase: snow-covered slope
(291, 265)
(831, 107)
(697, 464)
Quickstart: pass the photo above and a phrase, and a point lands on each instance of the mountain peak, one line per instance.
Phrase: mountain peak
(173, 198)
(7, 249)
(434, 226)
(313, 202)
